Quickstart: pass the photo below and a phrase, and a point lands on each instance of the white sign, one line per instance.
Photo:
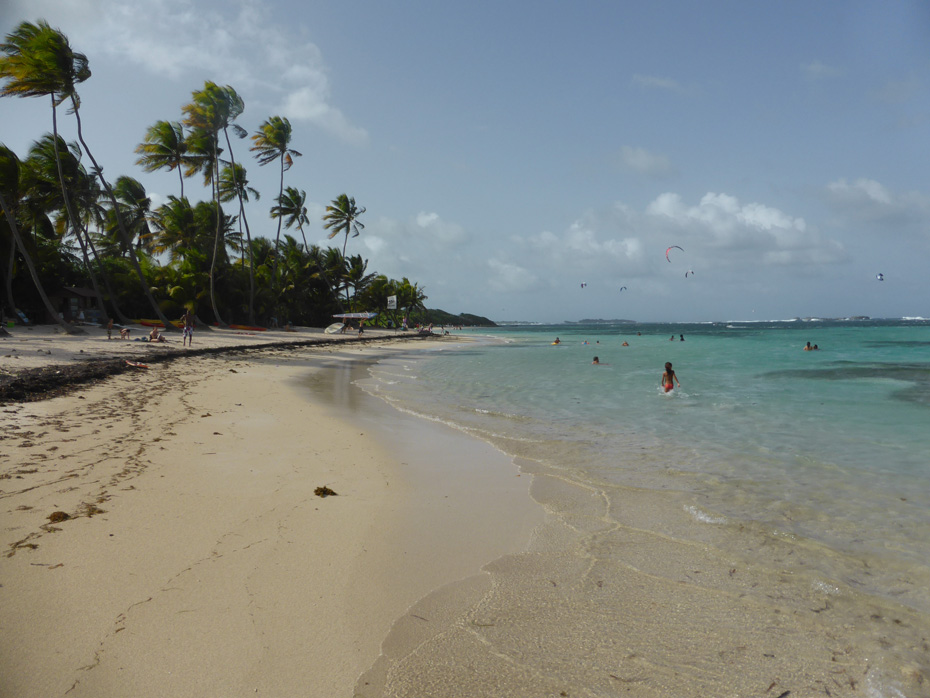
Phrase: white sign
(392, 302)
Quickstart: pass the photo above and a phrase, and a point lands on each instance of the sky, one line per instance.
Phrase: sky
(509, 152)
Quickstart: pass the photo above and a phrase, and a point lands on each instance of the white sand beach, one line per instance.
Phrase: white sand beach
(161, 534)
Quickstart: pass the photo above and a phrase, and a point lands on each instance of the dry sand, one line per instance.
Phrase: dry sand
(196, 558)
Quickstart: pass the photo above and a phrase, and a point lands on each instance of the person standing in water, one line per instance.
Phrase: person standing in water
(668, 377)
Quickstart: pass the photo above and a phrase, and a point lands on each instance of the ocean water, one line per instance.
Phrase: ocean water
(780, 494)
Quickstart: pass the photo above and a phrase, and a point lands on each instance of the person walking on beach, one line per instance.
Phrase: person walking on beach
(668, 377)
(110, 329)
(188, 331)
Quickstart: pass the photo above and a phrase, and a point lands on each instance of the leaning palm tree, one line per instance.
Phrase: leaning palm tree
(39, 61)
(9, 195)
(165, 148)
(272, 141)
(54, 181)
(292, 209)
(214, 109)
(342, 217)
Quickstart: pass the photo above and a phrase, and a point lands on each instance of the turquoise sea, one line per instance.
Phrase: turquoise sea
(811, 469)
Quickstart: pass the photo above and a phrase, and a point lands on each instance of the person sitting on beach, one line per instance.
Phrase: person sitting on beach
(668, 377)
(154, 336)
(124, 333)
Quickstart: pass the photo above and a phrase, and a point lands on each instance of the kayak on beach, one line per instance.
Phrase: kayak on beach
(156, 323)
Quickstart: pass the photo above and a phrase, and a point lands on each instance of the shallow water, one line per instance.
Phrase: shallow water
(778, 493)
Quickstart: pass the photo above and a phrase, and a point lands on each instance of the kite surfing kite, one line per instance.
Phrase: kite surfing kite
(673, 247)
(584, 284)
(690, 271)
(880, 277)
(622, 288)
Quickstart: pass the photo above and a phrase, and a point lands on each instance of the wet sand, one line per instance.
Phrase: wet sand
(161, 533)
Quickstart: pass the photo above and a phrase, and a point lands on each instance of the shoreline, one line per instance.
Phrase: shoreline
(196, 558)
(42, 361)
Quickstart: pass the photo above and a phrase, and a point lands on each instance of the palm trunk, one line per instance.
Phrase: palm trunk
(248, 234)
(219, 228)
(91, 274)
(70, 329)
(8, 278)
(274, 270)
(106, 282)
(127, 240)
(72, 217)
(248, 238)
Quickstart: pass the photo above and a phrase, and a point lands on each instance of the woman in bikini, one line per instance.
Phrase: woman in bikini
(668, 377)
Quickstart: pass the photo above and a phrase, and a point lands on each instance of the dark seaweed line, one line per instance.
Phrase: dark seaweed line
(36, 384)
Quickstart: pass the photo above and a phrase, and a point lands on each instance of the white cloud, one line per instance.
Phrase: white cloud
(644, 162)
(866, 202)
(507, 277)
(235, 42)
(719, 225)
(860, 190)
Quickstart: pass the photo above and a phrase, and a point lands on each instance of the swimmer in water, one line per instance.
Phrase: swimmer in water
(668, 377)
(596, 360)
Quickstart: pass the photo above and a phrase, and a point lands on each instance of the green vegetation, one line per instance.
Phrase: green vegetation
(64, 225)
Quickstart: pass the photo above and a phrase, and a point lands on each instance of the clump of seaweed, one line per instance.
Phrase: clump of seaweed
(90, 509)
(324, 491)
(58, 516)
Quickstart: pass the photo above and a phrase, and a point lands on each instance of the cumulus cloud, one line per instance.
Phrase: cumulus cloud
(507, 277)
(720, 222)
(644, 162)
(861, 190)
(866, 201)
(406, 248)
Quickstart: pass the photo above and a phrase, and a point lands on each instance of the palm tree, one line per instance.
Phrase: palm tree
(39, 61)
(165, 148)
(53, 179)
(9, 192)
(234, 183)
(271, 143)
(292, 209)
(131, 195)
(342, 217)
(212, 110)
(357, 276)
(33, 55)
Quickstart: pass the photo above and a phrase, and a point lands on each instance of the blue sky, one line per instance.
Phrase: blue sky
(508, 152)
